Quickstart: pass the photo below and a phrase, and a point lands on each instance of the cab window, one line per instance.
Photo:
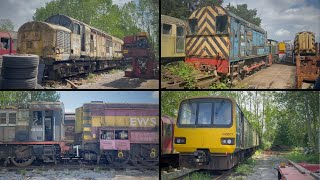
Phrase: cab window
(221, 24)
(193, 23)
(166, 29)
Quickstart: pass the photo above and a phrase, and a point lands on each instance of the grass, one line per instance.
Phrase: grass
(23, 172)
(299, 156)
(246, 167)
(114, 71)
(97, 170)
(91, 75)
(198, 176)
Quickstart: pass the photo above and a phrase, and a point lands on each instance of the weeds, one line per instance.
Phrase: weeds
(114, 71)
(298, 156)
(198, 176)
(23, 172)
(184, 71)
(91, 75)
(97, 170)
(246, 168)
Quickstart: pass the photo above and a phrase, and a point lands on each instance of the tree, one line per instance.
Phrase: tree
(6, 25)
(183, 9)
(245, 13)
(11, 98)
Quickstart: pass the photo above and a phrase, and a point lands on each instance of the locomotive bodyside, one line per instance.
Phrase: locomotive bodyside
(212, 133)
(220, 40)
(37, 132)
(120, 132)
(8, 43)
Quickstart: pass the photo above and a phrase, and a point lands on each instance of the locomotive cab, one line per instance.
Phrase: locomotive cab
(212, 133)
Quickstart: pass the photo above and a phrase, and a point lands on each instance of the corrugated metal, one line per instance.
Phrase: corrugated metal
(144, 137)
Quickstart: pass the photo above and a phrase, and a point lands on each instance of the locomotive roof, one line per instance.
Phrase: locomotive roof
(169, 19)
(125, 105)
(250, 25)
(53, 26)
(8, 34)
(79, 22)
(47, 105)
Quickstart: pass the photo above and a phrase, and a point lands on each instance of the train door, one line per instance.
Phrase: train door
(37, 132)
(242, 41)
(83, 38)
(166, 45)
(238, 131)
(180, 39)
(234, 38)
(249, 42)
(76, 36)
(49, 126)
(167, 136)
(242, 131)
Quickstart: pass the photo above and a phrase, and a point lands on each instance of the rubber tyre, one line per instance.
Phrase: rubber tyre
(19, 83)
(20, 61)
(12, 73)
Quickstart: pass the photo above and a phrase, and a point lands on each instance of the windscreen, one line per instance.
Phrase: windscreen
(205, 112)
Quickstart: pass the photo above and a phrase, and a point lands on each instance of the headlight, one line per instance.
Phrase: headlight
(227, 141)
(180, 140)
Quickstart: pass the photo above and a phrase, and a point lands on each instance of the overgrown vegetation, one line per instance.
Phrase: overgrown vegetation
(299, 156)
(198, 176)
(184, 71)
(246, 167)
(12, 98)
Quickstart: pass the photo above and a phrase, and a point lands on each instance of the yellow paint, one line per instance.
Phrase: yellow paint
(206, 138)
(87, 137)
(125, 121)
(79, 121)
(86, 129)
(282, 47)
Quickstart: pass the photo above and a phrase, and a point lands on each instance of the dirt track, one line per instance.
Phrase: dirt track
(115, 80)
(277, 76)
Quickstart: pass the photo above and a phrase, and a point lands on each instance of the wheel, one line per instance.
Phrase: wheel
(19, 83)
(118, 157)
(13, 73)
(23, 156)
(150, 155)
(20, 61)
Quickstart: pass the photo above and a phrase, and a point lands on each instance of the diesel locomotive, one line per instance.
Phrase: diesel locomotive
(112, 132)
(213, 133)
(68, 47)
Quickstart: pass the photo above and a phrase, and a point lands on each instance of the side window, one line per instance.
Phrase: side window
(193, 23)
(166, 29)
(3, 118)
(76, 29)
(180, 31)
(221, 24)
(12, 118)
(5, 43)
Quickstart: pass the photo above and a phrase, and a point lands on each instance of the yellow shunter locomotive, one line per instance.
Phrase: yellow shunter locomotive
(213, 133)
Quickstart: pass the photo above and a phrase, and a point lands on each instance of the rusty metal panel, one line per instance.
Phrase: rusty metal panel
(144, 137)
(307, 69)
(304, 43)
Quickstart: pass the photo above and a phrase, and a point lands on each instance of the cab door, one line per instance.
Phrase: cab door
(180, 39)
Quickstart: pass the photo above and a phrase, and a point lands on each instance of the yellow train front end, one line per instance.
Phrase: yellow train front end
(205, 133)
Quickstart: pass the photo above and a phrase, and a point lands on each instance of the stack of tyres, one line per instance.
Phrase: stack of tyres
(20, 71)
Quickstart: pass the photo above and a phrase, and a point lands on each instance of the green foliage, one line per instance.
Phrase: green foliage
(298, 156)
(8, 98)
(198, 176)
(246, 167)
(183, 9)
(242, 11)
(220, 85)
(23, 172)
(184, 71)
(6, 25)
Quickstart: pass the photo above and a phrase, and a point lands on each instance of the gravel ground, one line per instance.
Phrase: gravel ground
(76, 174)
(264, 167)
(114, 80)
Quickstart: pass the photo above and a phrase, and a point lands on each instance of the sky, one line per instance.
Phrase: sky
(282, 19)
(75, 99)
(21, 11)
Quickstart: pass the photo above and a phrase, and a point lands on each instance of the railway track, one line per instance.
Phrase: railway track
(187, 174)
